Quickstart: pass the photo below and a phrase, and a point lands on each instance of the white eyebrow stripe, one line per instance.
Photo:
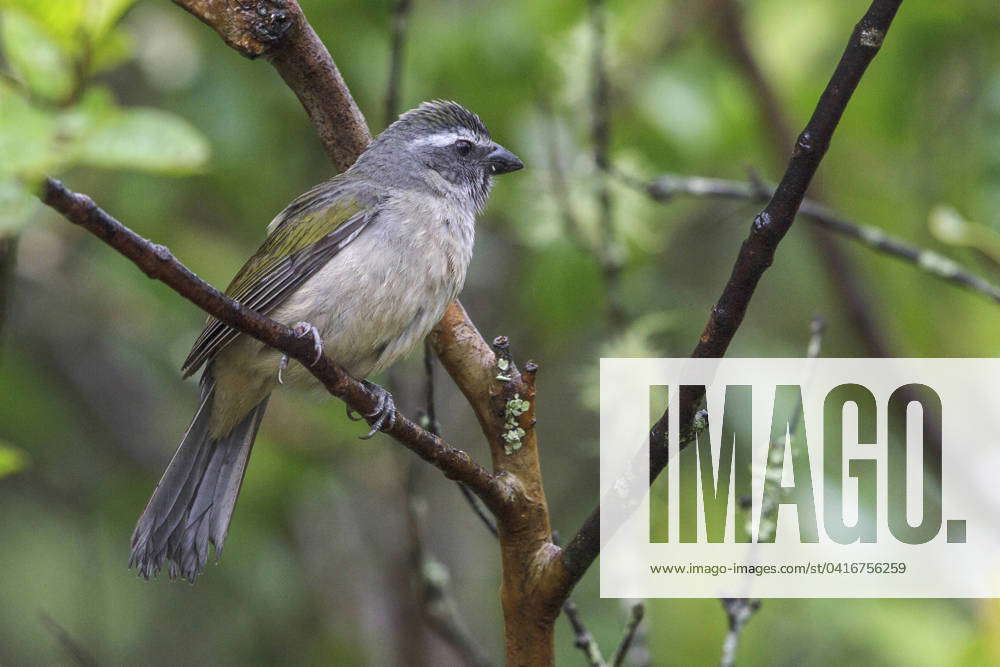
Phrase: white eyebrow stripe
(443, 138)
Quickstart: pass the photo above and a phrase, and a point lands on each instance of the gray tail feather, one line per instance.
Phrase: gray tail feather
(194, 501)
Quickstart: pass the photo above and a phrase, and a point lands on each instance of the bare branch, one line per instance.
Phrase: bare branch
(582, 638)
(666, 187)
(758, 250)
(69, 643)
(635, 620)
(157, 262)
(608, 251)
(844, 277)
(738, 611)
(400, 22)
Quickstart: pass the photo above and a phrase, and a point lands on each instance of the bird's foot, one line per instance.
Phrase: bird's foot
(383, 417)
(302, 329)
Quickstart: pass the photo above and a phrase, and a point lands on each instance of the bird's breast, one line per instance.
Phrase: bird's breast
(384, 291)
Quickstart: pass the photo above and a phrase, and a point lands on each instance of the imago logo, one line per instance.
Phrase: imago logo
(801, 477)
(718, 476)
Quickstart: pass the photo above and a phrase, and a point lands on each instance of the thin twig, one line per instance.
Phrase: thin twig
(666, 187)
(72, 647)
(157, 262)
(758, 250)
(477, 508)
(560, 187)
(400, 22)
(629, 636)
(738, 612)
(608, 249)
(582, 638)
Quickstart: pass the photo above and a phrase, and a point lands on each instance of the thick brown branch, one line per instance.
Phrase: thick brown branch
(157, 262)
(278, 30)
(534, 581)
(757, 251)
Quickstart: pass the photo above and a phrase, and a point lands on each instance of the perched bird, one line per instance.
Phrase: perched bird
(366, 263)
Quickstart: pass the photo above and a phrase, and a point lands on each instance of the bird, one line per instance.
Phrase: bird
(366, 263)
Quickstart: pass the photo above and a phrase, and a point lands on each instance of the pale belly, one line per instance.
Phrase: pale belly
(369, 314)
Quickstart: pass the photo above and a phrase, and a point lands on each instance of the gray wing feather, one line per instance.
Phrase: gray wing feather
(274, 288)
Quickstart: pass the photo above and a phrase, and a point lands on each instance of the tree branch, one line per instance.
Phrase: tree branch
(666, 187)
(607, 250)
(631, 629)
(842, 275)
(758, 250)
(738, 612)
(582, 638)
(400, 22)
(157, 262)
(279, 31)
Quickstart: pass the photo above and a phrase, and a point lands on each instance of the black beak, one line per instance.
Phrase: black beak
(502, 161)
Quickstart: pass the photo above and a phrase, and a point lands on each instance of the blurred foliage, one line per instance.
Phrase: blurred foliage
(12, 460)
(52, 116)
(115, 95)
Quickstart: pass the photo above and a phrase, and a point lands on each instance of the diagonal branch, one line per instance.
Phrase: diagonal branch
(841, 272)
(157, 262)
(279, 31)
(758, 250)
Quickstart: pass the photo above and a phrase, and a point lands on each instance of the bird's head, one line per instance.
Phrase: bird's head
(444, 145)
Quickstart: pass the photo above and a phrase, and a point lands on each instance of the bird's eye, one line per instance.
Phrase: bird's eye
(463, 147)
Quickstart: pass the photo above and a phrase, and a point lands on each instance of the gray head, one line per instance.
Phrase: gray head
(442, 145)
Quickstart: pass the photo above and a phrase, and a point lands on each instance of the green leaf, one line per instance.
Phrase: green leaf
(26, 136)
(110, 51)
(144, 139)
(64, 20)
(34, 56)
(60, 19)
(12, 460)
(103, 15)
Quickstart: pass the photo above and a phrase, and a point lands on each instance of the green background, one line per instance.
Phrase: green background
(197, 148)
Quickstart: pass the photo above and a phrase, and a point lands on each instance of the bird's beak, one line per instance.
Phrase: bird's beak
(502, 161)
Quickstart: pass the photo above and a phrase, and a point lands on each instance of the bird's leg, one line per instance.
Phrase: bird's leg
(303, 329)
(384, 415)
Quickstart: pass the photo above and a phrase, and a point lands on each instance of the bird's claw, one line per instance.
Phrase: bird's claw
(282, 365)
(352, 415)
(384, 415)
(303, 329)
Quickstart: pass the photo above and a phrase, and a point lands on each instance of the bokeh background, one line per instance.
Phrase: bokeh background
(144, 108)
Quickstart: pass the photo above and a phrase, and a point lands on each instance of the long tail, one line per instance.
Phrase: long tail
(193, 503)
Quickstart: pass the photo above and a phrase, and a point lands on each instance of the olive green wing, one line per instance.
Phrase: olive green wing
(304, 237)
